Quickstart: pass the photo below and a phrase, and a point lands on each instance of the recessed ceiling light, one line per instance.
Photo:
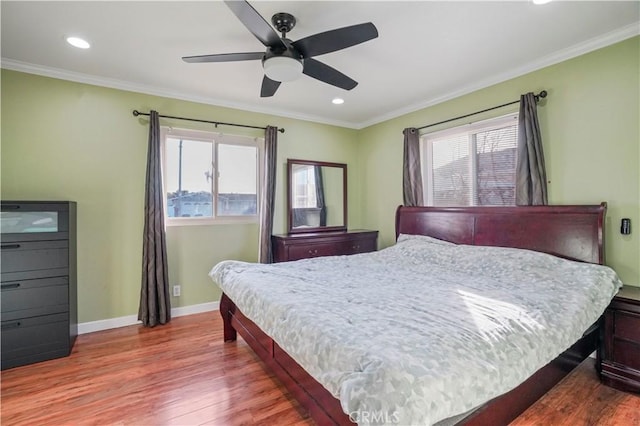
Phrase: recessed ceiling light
(541, 1)
(78, 42)
(337, 101)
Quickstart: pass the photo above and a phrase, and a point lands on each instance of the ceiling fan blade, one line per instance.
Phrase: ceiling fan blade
(325, 73)
(269, 87)
(224, 57)
(255, 23)
(333, 40)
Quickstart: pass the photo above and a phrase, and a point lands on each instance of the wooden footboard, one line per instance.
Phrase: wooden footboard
(321, 406)
(324, 409)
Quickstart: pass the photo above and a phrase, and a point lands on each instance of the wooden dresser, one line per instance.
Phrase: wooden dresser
(301, 246)
(619, 355)
(39, 294)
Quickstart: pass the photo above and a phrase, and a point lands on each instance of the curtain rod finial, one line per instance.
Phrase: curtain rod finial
(543, 94)
(136, 113)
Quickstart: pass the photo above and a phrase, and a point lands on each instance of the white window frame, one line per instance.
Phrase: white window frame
(307, 194)
(214, 138)
(426, 148)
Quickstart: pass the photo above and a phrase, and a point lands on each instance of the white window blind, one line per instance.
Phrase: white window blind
(471, 165)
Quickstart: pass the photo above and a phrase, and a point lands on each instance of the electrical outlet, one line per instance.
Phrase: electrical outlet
(176, 290)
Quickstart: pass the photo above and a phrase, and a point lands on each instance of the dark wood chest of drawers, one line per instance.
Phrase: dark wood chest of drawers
(619, 353)
(38, 281)
(302, 246)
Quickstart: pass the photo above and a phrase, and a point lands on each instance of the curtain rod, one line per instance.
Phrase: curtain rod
(217, 123)
(542, 94)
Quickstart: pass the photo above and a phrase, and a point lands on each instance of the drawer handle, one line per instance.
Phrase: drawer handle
(10, 246)
(10, 207)
(356, 247)
(312, 252)
(11, 285)
(14, 324)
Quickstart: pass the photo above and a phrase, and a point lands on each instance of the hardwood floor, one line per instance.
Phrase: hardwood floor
(178, 374)
(183, 374)
(581, 400)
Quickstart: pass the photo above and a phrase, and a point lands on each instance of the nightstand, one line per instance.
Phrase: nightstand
(619, 354)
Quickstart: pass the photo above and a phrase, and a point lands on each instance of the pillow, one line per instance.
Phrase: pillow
(425, 238)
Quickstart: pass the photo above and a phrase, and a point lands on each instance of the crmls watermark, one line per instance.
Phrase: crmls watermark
(374, 417)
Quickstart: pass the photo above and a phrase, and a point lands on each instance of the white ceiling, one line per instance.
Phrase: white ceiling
(426, 51)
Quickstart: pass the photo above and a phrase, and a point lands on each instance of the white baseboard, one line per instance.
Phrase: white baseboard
(195, 309)
(91, 326)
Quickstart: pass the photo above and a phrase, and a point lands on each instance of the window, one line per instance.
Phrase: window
(472, 165)
(209, 177)
(304, 184)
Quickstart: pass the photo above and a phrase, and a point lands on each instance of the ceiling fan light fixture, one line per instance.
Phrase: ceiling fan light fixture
(282, 68)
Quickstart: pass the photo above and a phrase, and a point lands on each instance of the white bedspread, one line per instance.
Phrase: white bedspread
(422, 330)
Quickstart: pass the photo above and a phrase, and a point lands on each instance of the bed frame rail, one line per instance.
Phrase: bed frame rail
(321, 406)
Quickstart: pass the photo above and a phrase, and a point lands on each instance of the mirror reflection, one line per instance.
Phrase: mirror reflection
(317, 196)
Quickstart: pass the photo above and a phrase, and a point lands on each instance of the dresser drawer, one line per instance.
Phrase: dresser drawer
(29, 221)
(627, 353)
(364, 245)
(306, 251)
(30, 298)
(34, 255)
(34, 339)
(302, 246)
(627, 326)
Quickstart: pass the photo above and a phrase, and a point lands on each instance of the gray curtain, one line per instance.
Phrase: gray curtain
(155, 303)
(268, 192)
(317, 170)
(412, 175)
(531, 176)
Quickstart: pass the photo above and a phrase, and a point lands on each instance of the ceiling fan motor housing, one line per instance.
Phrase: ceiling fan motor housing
(283, 22)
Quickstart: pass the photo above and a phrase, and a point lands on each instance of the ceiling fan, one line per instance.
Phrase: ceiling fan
(285, 60)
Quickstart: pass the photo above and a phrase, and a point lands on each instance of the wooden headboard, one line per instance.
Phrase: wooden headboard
(572, 232)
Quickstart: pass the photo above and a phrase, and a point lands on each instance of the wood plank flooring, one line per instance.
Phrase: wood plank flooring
(581, 400)
(183, 374)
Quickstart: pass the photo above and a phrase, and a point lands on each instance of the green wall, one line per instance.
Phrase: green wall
(591, 137)
(69, 141)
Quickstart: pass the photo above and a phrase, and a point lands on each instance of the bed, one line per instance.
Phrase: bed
(437, 238)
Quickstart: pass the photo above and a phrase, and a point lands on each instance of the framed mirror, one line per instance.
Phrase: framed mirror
(316, 196)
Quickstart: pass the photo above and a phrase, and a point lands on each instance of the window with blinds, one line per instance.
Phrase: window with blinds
(471, 165)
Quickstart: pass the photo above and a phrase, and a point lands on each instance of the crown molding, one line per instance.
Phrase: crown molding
(590, 45)
(61, 74)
